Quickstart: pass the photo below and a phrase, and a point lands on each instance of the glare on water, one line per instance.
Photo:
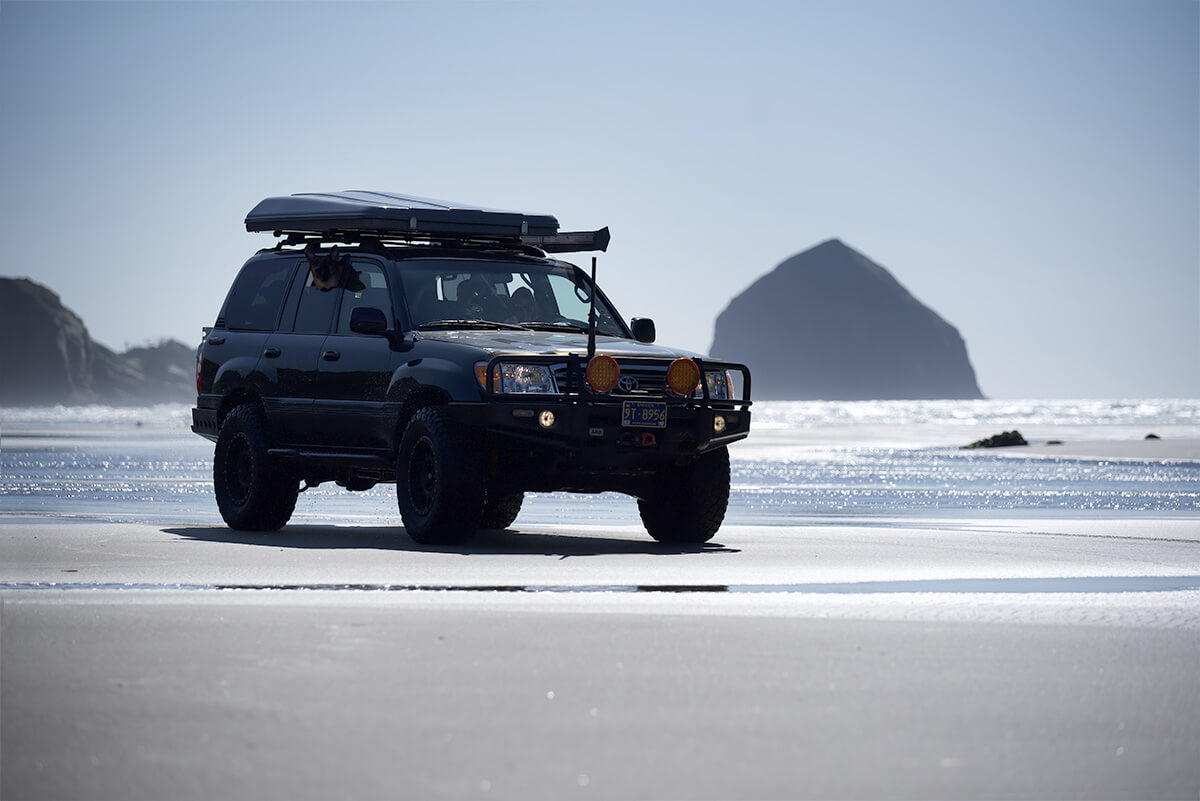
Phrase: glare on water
(802, 459)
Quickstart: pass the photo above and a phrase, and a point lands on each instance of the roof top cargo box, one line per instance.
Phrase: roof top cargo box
(387, 213)
(390, 216)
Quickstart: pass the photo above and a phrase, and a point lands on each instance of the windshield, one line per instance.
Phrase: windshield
(475, 293)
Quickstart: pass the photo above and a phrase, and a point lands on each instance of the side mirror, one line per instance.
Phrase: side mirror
(368, 320)
(643, 329)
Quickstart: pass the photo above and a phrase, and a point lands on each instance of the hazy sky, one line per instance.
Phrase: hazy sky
(1030, 170)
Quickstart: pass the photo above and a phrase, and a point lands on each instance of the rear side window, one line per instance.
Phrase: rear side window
(258, 295)
(316, 308)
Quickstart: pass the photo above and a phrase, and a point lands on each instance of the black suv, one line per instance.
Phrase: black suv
(387, 338)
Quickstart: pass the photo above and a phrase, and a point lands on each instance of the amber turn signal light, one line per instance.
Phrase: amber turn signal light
(481, 377)
(602, 373)
(683, 376)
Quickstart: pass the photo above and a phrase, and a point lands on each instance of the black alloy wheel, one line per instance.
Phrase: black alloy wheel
(239, 469)
(439, 479)
(422, 476)
(254, 492)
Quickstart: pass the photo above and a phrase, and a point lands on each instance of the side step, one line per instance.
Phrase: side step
(362, 460)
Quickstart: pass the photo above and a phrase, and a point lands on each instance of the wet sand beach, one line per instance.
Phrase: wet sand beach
(882, 658)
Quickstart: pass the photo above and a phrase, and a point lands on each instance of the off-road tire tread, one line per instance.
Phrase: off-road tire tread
(689, 505)
(501, 510)
(272, 502)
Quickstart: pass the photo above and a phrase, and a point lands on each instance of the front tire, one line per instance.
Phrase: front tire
(439, 480)
(501, 510)
(688, 504)
(253, 492)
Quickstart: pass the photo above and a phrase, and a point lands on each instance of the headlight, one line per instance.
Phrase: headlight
(720, 384)
(518, 378)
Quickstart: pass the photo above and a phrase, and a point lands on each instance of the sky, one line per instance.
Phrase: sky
(1029, 170)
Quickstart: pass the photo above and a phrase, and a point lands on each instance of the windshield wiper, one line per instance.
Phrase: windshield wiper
(539, 326)
(471, 324)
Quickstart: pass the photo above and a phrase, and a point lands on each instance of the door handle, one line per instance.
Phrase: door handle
(216, 340)
(271, 353)
(331, 355)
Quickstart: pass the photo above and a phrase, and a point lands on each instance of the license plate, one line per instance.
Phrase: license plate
(643, 414)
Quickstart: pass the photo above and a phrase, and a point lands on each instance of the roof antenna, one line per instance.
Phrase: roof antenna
(592, 316)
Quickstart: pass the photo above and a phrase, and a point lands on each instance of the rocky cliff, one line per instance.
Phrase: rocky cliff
(48, 357)
(830, 324)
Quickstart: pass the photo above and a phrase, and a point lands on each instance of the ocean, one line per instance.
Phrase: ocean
(803, 460)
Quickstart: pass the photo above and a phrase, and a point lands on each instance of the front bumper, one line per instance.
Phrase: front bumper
(592, 431)
(588, 425)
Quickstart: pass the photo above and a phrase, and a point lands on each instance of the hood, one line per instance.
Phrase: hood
(552, 343)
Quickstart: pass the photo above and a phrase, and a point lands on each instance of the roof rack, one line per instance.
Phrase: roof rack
(379, 242)
(355, 216)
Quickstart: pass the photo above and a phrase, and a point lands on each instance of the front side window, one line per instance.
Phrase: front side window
(364, 285)
(257, 297)
(441, 292)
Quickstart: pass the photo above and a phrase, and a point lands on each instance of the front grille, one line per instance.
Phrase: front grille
(650, 380)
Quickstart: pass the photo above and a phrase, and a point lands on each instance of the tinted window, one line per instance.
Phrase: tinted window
(573, 301)
(316, 308)
(258, 295)
(515, 292)
(364, 285)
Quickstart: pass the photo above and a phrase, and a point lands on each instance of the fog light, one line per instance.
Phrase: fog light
(718, 423)
(683, 376)
(602, 373)
(546, 419)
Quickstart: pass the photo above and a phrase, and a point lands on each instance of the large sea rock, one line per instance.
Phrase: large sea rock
(48, 357)
(830, 324)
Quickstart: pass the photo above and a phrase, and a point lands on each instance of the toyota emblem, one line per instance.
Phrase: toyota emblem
(627, 383)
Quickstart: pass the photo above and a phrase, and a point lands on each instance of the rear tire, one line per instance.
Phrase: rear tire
(688, 504)
(501, 510)
(439, 480)
(254, 493)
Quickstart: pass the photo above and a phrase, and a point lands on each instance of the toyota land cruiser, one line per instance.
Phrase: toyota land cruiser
(439, 346)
